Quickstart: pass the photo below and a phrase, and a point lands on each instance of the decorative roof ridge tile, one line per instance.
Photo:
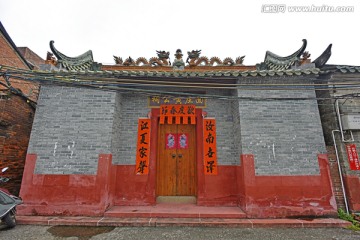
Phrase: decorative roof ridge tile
(192, 74)
(227, 73)
(276, 62)
(81, 62)
(244, 74)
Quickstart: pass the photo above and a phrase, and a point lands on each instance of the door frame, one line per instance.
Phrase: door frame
(176, 176)
(200, 175)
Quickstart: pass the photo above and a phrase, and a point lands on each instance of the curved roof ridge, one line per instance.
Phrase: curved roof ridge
(323, 58)
(83, 61)
(272, 56)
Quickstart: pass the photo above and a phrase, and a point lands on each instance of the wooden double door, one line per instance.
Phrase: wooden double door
(176, 162)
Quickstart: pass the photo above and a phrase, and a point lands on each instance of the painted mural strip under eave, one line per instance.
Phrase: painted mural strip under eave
(143, 147)
(210, 152)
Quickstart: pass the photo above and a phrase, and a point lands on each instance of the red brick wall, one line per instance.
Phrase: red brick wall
(335, 177)
(30, 89)
(31, 57)
(16, 117)
(8, 55)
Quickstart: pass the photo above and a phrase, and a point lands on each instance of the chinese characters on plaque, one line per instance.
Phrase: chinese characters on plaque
(143, 147)
(353, 157)
(156, 101)
(210, 154)
(177, 114)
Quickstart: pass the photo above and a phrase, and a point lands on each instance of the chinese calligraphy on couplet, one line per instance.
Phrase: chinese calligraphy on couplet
(353, 157)
(143, 147)
(210, 155)
(177, 114)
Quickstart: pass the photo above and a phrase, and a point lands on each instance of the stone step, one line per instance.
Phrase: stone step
(175, 210)
(176, 199)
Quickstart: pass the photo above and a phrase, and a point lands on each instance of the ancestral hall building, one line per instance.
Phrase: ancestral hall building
(210, 131)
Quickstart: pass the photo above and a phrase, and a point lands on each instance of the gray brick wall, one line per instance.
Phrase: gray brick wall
(327, 115)
(116, 140)
(133, 107)
(72, 126)
(285, 136)
(227, 126)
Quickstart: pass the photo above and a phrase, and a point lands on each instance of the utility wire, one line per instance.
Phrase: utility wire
(131, 83)
(114, 83)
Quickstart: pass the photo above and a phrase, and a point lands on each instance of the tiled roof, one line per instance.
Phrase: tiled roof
(77, 67)
(348, 69)
(79, 63)
(275, 62)
(187, 74)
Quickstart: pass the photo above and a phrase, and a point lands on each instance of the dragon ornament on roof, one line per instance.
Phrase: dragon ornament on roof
(193, 59)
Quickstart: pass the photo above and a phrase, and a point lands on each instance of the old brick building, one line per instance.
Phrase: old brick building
(339, 108)
(32, 58)
(17, 108)
(202, 130)
(209, 131)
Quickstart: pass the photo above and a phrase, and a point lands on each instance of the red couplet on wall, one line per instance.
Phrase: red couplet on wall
(143, 146)
(353, 156)
(210, 152)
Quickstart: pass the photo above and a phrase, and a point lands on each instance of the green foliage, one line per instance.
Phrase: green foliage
(348, 217)
(354, 228)
(345, 216)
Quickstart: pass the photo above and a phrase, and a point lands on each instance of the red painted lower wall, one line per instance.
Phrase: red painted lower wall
(352, 184)
(258, 196)
(45, 194)
(285, 196)
(132, 189)
(219, 190)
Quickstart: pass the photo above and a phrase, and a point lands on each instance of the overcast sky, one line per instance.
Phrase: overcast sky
(226, 28)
